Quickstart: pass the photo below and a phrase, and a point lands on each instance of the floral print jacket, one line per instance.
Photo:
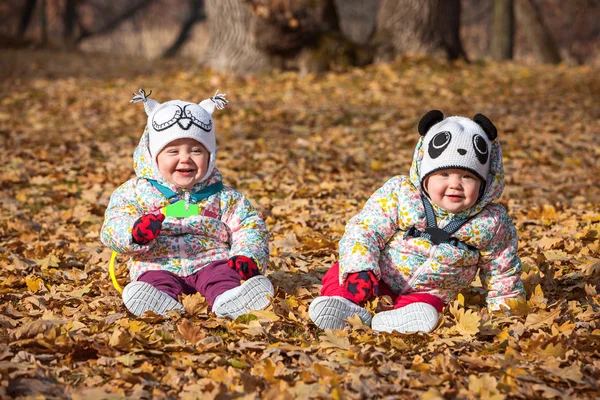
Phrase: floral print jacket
(228, 224)
(375, 240)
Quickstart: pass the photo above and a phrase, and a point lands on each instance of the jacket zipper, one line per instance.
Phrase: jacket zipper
(419, 270)
(184, 266)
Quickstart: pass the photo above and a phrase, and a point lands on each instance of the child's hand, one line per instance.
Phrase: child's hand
(147, 228)
(363, 285)
(244, 266)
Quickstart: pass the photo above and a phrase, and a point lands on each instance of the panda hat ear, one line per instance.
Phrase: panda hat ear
(488, 127)
(429, 120)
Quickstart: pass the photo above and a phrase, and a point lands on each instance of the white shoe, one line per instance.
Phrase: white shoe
(140, 297)
(251, 295)
(415, 317)
(331, 312)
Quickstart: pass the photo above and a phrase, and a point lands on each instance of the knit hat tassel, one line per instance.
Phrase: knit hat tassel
(149, 104)
(218, 101)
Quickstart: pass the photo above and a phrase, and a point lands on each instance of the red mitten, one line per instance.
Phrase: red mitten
(362, 285)
(244, 266)
(147, 228)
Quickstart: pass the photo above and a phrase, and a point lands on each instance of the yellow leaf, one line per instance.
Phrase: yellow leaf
(552, 350)
(485, 387)
(467, 322)
(82, 291)
(34, 283)
(334, 339)
(237, 363)
(461, 299)
(50, 261)
(129, 359)
(502, 336)
(265, 314)
(219, 374)
(518, 306)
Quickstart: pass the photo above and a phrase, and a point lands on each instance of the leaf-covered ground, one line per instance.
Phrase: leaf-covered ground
(308, 152)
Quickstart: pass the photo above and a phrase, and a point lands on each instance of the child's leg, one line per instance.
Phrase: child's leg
(214, 279)
(220, 284)
(155, 291)
(336, 304)
(404, 300)
(417, 312)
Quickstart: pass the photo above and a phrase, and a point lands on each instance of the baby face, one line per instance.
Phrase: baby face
(454, 190)
(183, 162)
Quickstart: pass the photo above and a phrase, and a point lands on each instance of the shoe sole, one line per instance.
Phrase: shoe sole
(331, 312)
(140, 297)
(415, 317)
(253, 295)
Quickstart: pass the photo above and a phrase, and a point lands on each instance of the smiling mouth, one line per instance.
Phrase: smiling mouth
(185, 171)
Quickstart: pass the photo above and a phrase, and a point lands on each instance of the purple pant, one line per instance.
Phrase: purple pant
(211, 281)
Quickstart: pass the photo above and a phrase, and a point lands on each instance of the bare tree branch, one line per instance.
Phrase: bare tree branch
(196, 15)
(115, 22)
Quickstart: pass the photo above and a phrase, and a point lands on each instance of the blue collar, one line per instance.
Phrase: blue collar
(194, 197)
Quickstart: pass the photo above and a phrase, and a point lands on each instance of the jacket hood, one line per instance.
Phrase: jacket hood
(145, 167)
(493, 188)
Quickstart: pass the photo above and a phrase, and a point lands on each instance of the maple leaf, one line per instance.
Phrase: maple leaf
(467, 322)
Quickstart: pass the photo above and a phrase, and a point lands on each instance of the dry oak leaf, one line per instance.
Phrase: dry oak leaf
(195, 304)
(484, 387)
(190, 332)
(334, 339)
(541, 318)
(31, 329)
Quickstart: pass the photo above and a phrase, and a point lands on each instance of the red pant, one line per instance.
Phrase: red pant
(331, 287)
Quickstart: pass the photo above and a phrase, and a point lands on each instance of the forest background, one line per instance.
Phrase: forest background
(307, 143)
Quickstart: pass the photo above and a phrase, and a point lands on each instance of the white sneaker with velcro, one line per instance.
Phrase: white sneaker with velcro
(331, 312)
(415, 317)
(140, 297)
(253, 294)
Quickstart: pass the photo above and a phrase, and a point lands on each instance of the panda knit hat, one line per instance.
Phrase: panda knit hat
(456, 143)
(178, 119)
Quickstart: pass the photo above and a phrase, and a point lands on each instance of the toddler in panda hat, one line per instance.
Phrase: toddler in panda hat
(422, 238)
(181, 228)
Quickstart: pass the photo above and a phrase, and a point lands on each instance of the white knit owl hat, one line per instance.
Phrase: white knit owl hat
(456, 143)
(178, 119)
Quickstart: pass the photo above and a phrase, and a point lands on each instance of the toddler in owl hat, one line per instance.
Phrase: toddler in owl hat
(422, 238)
(181, 228)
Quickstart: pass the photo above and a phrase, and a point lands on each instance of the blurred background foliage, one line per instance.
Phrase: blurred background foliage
(250, 36)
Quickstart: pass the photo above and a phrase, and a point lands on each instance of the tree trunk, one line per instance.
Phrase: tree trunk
(26, 17)
(530, 19)
(44, 22)
(248, 36)
(232, 46)
(357, 19)
(69, 22)
(418, 26)
(503, 29)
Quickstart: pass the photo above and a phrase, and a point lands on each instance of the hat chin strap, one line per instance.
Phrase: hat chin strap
(211, 166)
